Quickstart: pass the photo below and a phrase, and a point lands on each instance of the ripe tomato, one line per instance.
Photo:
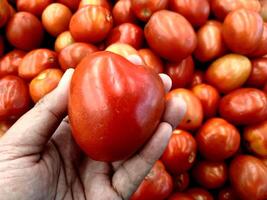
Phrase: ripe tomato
(71, 56)
(194, 115)
(261, 50)
(218, 140)
(14, 97)
(228, 72)
(209, 98)
(56, 18)
(10, 62)
(151, 60)
(198, 78)
(117, 108)
(4, 126)
(36, 61)
(210, 43)
(32, 6)
(180, 196)
(91, 24)
(63, 40)
(227, 194)
(24, 31)
(258, 75)
(195, 11)
(244, 106)
(4, 12)
(44, 83)
(199, 194)
(174, 43)
(122, 12)
(180, 154)
(248, 177)
(181, 73)
(103, 3)
(181, 182)
(72, 4)
(242, 31)
(157, 185)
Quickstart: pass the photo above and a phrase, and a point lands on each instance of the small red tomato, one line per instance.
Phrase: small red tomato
(181, 182)
(228, 72)
(198, 78)
(14, 97)
(199, 194)
(4, 126)
(174, 43)
(194, 115)
(24, 31)
(242, 31)
(195, 11)
(157, 185)
(248, 177)
(10, 62)
(261, 50)
(33, 6)
(2, 46)
(180, 196)
(228, 194)
(181, 73)
(91, 24)
(4, 12)
(258, 75)
(122, 12)
(63, 40)
(244, 106)
(180, 154)
(36, 61)
(151, 60)
(72, 4)
(44, 83)
(103, 3)
(218, 140)
(209, 98)
(210, 44)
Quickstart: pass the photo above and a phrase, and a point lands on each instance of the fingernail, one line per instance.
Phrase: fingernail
(166, 81)
(65, 80)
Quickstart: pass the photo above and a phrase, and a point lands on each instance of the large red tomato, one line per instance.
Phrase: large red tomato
(122, 12)
(33, 6)
(258, 75)
(63, 40)
(165, 36)
(120, 113)
(152, 60)
(199, 194)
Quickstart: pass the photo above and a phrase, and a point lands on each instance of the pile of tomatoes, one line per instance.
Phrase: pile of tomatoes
(215, 52)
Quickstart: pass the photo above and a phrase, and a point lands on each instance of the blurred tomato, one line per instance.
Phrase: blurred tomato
(181, 182)
(258, 75)
(157, 185)
(12, 11)
(180, 196)
(152, 60)
(199, 194)
(244, 106)
(2, 46)
(181, 73)
(4, 126)
(248, 177)
(14, 97)
(91, 24)
(10, 62)
(195, 11)
(33, 6)
(228, 72)
(180, 154)
(122, 12)
(194, 115)
(198, 78)
(261, 50)
(36, 61)
(174, 43)
(264, 9)
(227, 194)
(24, 31)
(63, 40)
(4, 12)
(264, 161)
(72, 4)
(103, 3)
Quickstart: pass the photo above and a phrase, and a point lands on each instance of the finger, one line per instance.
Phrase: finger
(166, 81)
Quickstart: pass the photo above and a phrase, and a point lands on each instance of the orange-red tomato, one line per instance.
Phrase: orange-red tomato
(63, 40)
(181, 182)
(91, 24)
(195, 11)
(258, 75)
(217, 139)
(210, 44)
(44, 83)
(151, 60)
(24, 31)
(2, 46)
(36, 61)
(209, 98)
(33, 6)
(10, 62)
(227, 193)
(71, 56)
(157, 185)
(4, 126)
(228, 72)
(180, 154)
(4, 12)
(103, 3)
(181, 73)
(198, 78)
(14, 97)
(174, 43)
(122, 12)
(199, 194)
(244, 106)
(180, 196)
(261, 50)
(194, 115)
(242, 31)
(72, 4)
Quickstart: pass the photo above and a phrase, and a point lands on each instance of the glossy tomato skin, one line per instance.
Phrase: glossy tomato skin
(63, 40)
(70, 56)
(228, 193)
(4, 126)
(180, 196)
(209, 98)
(33, 6)
(24, 31)
(244, 106)
(261, 50)
(258, 75)
(14, 97)
(157, 185)
(210, 43)
(118, 106)
(181, 182)
(180, 154)
(195, 11)
(218, 140)
(72, 4)
(242, 31)
(91, 24)
(103, 3)
(199, 193)
(174, 43)
(181, 73)
(4, 12)
(228, 72)
(10, 62)
(36, 61)
(194, 115)
(198, 78)
(248, 177)
(122, 12)
(152, 60)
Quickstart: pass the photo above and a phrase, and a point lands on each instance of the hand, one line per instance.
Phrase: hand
(40, 160)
